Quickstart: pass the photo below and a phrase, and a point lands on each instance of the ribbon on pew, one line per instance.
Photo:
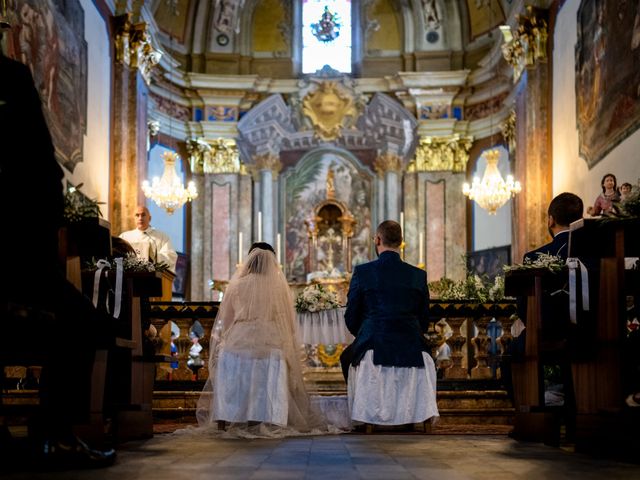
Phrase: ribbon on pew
(104, 266)
(574, 264)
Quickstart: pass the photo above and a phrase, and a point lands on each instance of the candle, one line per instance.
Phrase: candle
(278, 249)
(239, 247)
(402, 222)
(259, 226)
(421, 251)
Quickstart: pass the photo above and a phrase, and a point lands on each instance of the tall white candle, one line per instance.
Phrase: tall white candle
(278, 249)
(402, 222)
(421, 251)
(259, 226)
(239, 247)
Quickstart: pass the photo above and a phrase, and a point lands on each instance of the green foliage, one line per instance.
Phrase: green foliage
(473, 287)
(78, 206)
(552, 263)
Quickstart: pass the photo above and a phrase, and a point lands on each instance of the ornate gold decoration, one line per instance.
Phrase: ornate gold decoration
(122, 27)
(268, 161)
(219, 156)
(329, 355)
(387, 162)
(437, 154)
(133, 46)
(328, 108)
(508, 127)
(331, 187)
(527, 45)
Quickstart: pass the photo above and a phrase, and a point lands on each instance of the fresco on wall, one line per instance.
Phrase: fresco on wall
(48, 36)
(484, 15)
(305, 188)
(607, 75)
(172, 18)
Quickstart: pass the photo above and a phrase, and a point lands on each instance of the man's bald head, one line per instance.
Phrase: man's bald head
(143, 217)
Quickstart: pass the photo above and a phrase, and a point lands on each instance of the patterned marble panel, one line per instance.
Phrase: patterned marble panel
(435, 226)
(220, 230)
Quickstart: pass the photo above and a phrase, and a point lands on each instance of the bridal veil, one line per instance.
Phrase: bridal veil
(255, 372)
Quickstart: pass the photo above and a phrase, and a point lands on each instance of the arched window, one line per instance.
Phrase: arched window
(326, 35)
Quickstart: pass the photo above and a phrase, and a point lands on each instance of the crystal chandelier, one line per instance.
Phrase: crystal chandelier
(492, 191)
(168, 191)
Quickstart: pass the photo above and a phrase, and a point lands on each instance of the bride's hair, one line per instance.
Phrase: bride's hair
(256, 263)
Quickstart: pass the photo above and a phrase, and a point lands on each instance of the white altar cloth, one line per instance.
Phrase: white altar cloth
(325, 326)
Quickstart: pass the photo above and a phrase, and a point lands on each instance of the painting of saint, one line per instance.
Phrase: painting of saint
(48, 36)
(607, 75)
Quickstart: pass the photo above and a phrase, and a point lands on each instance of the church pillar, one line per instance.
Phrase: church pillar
(389, 165)
(268, 165)
(134, 58)
(266, 206)
(198, 283)
(533, 162)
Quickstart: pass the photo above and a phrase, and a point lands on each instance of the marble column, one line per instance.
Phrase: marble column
(266, 206)
(533, 163)
(268, 165)
(129, 146)
(389, 166)
(134, 59)
(199, 282)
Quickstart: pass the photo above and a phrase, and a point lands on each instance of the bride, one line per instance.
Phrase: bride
(255, 385)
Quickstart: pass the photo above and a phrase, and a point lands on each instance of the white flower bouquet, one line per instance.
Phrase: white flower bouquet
(315, 298)
(551, 262)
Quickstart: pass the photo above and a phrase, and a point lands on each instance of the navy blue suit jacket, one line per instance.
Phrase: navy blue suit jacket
(559, 246)
(387, 311)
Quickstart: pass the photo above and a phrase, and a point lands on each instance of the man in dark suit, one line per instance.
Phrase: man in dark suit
(64, 324)
(387, 312)
(563, 210)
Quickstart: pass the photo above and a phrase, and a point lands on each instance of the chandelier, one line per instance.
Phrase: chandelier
(492, 191)
(168, 191)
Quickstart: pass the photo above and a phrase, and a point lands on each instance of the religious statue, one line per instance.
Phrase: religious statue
(331, 188)
(330, 238)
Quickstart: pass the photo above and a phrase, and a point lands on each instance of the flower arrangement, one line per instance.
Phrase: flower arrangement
(132, 263)
(552, 263)
(78, 206)
(473, 287)
(315, 298)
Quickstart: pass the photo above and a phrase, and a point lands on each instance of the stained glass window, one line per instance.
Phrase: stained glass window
(326, 35)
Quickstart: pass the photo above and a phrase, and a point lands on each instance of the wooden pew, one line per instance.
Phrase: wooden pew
(545, 343)
(603, 423)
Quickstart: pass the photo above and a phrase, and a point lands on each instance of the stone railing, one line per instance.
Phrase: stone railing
(469, 338)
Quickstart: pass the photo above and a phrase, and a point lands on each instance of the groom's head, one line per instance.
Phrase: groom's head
(388, 236)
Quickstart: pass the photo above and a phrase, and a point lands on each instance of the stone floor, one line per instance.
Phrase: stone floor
(343, 457)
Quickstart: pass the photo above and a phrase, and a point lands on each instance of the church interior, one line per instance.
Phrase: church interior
(305, 124)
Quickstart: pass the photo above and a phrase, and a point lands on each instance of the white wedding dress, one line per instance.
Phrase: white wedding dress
(255, 374)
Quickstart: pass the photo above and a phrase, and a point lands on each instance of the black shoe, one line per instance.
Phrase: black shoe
(74, 453)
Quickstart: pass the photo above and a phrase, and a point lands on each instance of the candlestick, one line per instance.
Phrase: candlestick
(259, 226)
(239, 248)
(278, 249)
(421, 248)
(402, 222)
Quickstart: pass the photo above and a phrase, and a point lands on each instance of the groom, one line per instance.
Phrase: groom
(388, 367)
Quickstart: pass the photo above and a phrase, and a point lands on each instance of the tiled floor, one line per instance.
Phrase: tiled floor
(343, 457)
